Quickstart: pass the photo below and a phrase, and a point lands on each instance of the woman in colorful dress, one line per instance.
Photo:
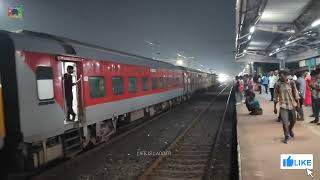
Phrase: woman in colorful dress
(307, 100)
(241, 88)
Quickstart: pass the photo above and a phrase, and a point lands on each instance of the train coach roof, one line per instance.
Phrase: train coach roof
(46, 43)
(194, 70)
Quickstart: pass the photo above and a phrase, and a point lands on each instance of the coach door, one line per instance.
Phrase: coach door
(77, 91)
(189, 85)
(186, 83)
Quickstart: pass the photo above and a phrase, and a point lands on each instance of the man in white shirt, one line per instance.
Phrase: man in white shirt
(272, 81)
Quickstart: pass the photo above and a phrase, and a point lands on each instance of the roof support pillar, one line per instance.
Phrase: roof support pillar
(282, 60)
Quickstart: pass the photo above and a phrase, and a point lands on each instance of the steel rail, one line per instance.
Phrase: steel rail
(217, 137)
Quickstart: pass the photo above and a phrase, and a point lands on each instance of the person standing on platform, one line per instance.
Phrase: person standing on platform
(310, 92)
(287, 95)
(276, 80)
(301, 86)
(259, 82)
(241, 88)
(294, 77)
(265, 82)
(236, 86)
(272, 81)
(250, 83)
(246, 81)
(308, 82)
(316, 96)
(256, 83)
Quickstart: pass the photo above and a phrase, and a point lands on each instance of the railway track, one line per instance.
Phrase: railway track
(192, 150)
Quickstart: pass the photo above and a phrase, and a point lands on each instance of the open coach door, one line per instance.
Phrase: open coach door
(77, 89)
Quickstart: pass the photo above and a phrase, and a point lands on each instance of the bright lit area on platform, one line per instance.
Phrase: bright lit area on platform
(223, 77)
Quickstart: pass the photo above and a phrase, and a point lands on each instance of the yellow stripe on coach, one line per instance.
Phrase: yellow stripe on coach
(2, 126)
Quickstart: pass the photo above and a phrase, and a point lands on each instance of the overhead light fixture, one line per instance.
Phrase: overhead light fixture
(292, 31)
(240, 55)
(287, 43)
(308, 33)
(179, 62)
(270, 54)
(315, 23)
(252, 29)
(278, 49)
(245, 51)
(249, 37)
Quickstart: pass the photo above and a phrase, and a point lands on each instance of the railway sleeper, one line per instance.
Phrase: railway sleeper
(186, 161)
(192, 157)
(178, 173)
(171, 178)
(191, 152)
(183, 167)
(194, 146)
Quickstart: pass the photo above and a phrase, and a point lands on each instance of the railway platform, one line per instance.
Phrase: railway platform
(260, 144)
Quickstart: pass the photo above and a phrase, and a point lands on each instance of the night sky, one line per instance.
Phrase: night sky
(204, 29)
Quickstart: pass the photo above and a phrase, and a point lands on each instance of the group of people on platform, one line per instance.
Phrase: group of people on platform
(269, 80)
(244, 88)
(291, 91)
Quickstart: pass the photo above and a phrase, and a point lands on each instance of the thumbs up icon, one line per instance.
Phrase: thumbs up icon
(288, 162)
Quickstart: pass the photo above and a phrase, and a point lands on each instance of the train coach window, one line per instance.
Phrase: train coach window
(170, 82)
(132, 84)
(166, 82)
(177, 82)
(117, 85)
(97, 86)
(145, 86)
(161, 82)
(154, 83)
(44, 79)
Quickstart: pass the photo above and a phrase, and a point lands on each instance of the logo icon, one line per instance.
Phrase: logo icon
(296, 161)
(15, 11)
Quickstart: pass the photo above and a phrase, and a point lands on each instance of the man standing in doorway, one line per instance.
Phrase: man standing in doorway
(67, 77)
(287, 94)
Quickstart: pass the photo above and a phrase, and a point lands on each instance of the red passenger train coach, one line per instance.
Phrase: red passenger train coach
(115, 88)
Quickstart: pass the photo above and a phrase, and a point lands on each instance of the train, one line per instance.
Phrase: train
(115, 87)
